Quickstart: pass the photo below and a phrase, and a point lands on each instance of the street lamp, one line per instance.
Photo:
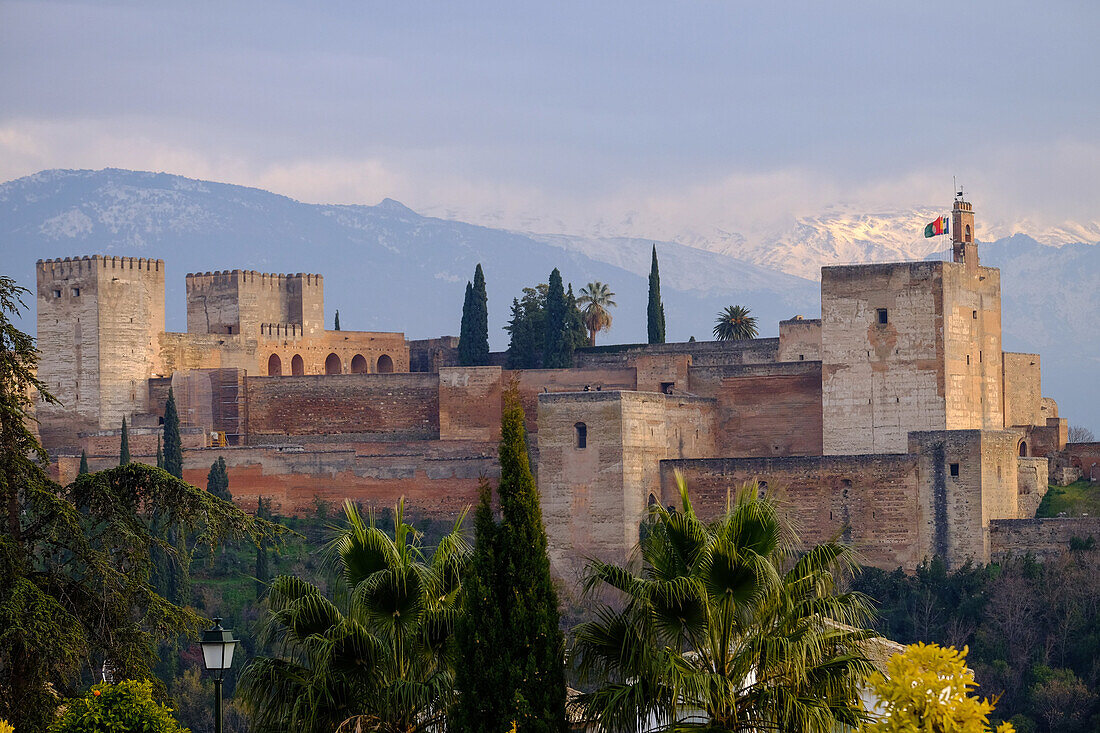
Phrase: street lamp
(217, 654)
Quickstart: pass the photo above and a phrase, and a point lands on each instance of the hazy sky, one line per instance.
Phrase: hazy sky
(671, 116)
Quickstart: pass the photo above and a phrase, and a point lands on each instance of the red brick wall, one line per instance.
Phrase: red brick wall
(469, 403)
(532, 382)
(404, 406)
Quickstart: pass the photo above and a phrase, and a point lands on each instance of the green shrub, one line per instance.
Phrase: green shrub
(126, 706)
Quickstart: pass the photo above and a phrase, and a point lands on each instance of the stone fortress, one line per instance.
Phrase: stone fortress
(895, 421)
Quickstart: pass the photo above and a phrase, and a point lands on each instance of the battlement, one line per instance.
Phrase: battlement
(281, 330)
(69, 266)
(218, 278)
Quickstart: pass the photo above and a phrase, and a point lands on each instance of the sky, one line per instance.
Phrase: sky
(632, 117)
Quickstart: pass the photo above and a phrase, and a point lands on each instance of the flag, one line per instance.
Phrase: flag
(939, 226)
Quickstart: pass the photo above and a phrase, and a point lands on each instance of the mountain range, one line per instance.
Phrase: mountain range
(387, 267)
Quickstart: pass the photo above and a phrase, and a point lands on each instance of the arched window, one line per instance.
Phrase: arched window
(385, 364)
(580, 434)
(968, 232)
(358, 364)
(274, 366)
(297, 366)
(1023, 449)
(333, 365)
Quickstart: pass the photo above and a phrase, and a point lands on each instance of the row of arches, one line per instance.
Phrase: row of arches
(333, 365)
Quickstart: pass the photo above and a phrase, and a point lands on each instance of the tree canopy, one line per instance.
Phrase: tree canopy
(596, 298)
(734, 324)
(473, 342)
(655, 311)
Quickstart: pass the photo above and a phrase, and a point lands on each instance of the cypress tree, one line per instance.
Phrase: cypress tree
(516, 671)
(217, 481)
(465, 329)
(173, 444)
(336, 325)
(124, 446)
(578, 332)
(160, 454)
(263, 572)
(557, 352)
(479, 320)
(83, 463)
(655, 313)
(485, 671)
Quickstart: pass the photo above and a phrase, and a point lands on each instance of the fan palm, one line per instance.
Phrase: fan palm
(734, 324)
(725, 628)
(595, 299)
(379, 656)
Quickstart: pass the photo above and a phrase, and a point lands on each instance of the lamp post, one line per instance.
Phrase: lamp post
(218, 645)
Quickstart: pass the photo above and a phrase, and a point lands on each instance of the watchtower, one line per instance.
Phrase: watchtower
(99, 319)
(963, 247)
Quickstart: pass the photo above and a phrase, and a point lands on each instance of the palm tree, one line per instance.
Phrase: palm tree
(377, 657)
(595, 299)
(735, 324)
(725, 628)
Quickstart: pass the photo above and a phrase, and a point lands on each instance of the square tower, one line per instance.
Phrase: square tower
(244, 301)
(908, 346)
(99, 319)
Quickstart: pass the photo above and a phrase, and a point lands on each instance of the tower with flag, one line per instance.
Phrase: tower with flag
(963, 247)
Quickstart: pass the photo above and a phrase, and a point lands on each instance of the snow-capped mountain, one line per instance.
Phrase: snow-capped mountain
(390, 268)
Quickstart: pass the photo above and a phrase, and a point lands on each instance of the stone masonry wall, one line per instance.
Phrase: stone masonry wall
(1022, 390)
(393, 406)
(1033, 481)
(870, 502)
(881, 380)
(469, 403)
(1045, 539)
(703, 353)
(800, 340)
(972, 347)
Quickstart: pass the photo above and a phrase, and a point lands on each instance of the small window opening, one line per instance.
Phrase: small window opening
(954, 469)
(76, 292)
(883, 319)
(229, 329)
(968, 232)
(666, 387)
(1023, 449)
(802, 357)
(968, 359)
(975, 315)
(57, 293)
(581, 431)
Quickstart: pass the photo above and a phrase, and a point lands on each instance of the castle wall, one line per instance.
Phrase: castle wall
(533, 382)
(389, 406)
(703, 353)
(186, 351)
(764, 409)
(357, 352)
(871, 502)
(1023, 394)
(972, 347)
(1033, 480)
(429, 355)
(800, 340)
(881, 380)
(658, 372)
(1044, 539)
(469, 403)
(240, 301)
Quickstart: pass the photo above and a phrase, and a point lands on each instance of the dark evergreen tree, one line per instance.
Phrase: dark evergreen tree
(578, 331)
(124, 446)
(529, 599)
(173, 444)
(655, 313)
(527, 329)
(160, 454)
(479, 634)
(83, 463)
(336, 325)
(217, 481)
(465, 328)
(478, 353)
(263, 571)
(557, 352)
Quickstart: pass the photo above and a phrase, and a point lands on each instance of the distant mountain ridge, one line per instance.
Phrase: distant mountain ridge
(387, 267)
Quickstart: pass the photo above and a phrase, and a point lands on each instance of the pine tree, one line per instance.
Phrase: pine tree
(557, 352)
(465, 329)
(124, 446)
(160, 454)
(83, 463)
(479, 320)
(173, 444)
(217, 481)
(336, 325)
(655, 313)
(510, 636)
(527, 329)
(578, 331)
(263, 572)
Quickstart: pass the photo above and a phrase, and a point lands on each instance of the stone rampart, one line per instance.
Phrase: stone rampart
(703, 353)
(1044, 539)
